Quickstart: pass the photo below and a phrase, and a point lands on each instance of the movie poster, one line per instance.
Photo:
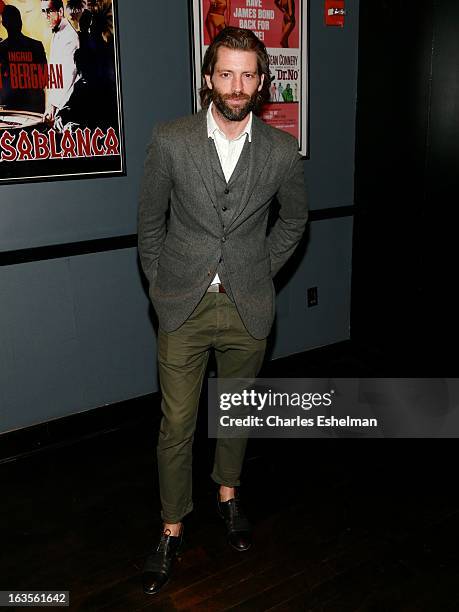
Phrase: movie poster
(282, 26)
(60, 99)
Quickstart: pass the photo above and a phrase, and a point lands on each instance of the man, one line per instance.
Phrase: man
(32, 100)
(74, 9)
(64, 43)
(210, 266)
(280, 92)
(287, 93)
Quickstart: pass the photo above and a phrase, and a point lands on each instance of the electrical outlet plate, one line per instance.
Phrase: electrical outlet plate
(312, 295)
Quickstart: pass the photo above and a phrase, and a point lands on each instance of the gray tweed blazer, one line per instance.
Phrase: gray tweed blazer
(180, 235)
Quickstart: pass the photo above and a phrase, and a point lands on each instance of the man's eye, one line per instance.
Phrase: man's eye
(224, 74)
(249, 76)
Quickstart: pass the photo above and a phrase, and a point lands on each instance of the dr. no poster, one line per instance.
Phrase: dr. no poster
(60, 99)
(282, 26)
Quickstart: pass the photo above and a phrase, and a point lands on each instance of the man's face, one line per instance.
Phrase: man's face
(73, 15)
(235, 83)
(53, 17)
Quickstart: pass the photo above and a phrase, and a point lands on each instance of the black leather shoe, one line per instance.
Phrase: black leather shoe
(158, 566)
(237, 525)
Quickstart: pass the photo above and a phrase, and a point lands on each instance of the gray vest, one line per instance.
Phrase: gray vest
(229, 195)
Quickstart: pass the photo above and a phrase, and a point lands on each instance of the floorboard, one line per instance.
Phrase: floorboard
(339, 526)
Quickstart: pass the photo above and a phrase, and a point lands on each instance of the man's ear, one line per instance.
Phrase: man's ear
(208, 81)
(262, 80)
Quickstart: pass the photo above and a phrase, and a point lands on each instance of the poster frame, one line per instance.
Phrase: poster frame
(196, 56)
(122, 140)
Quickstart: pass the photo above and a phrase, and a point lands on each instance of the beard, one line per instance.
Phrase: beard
(230, 112)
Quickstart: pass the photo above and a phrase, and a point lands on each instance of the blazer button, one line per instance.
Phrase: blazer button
(223, 239)
(226, 191)
(224, 209)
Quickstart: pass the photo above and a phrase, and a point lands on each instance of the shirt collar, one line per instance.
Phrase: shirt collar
(212, 126)
(62, 25)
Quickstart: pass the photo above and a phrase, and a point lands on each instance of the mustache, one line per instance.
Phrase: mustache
(236, 97)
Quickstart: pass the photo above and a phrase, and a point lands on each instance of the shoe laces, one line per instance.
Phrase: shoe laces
(237, 518)
(236, 506)
(164, 541)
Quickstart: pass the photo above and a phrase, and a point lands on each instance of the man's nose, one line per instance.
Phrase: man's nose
(237, 84)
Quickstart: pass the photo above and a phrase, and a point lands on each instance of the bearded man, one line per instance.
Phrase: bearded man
(208, 184)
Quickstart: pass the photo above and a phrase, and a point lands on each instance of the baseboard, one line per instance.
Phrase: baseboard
(76, 427)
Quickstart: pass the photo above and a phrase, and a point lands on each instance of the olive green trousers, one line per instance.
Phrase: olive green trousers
(182, 360)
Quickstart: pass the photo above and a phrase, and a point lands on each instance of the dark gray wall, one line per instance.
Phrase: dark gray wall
(75, 333)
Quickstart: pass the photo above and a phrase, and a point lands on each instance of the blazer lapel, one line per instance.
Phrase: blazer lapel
(259, 153)
(198, 147)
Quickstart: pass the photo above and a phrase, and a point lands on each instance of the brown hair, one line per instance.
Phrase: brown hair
(240, 40)
(57, 5)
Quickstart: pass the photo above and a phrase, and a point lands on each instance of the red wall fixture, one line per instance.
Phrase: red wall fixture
(334, 13)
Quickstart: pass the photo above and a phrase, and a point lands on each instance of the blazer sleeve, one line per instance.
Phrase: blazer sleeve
(155, 192)
(293, 214)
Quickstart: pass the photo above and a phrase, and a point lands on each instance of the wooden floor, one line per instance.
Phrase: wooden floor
(340, 525)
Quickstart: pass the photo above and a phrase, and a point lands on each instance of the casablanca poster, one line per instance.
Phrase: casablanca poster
(60, 98)
(282, 26)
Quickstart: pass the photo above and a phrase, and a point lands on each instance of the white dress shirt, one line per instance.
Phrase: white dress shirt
(229, 151)
(64, 43)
